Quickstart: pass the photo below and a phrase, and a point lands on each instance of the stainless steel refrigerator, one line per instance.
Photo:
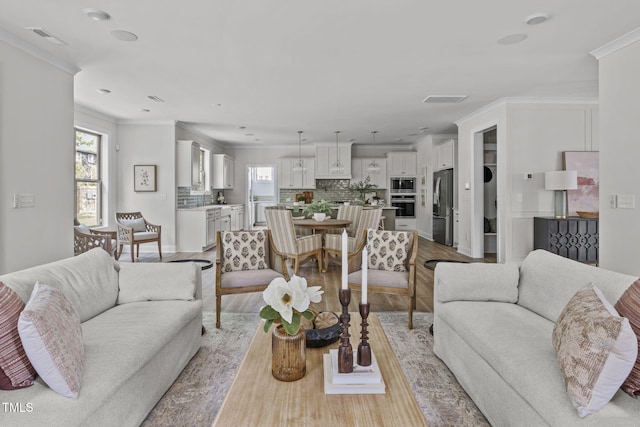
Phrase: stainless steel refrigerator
(443, 207)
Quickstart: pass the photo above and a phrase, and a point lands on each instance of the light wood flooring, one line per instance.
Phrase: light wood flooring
(330, 282)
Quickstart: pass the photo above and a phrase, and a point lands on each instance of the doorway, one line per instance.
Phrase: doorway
(261, 192)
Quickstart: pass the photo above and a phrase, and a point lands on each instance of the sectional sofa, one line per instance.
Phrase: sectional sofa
(140, 326)
(494, 328)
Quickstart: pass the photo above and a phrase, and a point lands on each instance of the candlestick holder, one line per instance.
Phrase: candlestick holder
(364, 349)
(345, 351)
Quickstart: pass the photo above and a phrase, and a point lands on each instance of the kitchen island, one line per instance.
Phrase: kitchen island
(197, 226)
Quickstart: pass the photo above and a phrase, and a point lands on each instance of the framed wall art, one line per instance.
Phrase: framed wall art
(144, 177)
(586, 197)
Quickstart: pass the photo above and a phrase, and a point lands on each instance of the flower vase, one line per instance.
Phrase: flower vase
(289, 359)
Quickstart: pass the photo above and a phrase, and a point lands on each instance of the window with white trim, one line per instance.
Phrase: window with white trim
(88, 183)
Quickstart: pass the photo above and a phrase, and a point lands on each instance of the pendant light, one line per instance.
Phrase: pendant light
(298, 167)
(337, 167)
(373, 167)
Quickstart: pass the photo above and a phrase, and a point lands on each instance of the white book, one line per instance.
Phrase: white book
(330, 388)
(360, 375)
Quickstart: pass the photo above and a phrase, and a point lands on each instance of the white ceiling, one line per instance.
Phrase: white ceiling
(279, 66)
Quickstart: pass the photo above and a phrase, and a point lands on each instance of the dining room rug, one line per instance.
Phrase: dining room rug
(197, 395)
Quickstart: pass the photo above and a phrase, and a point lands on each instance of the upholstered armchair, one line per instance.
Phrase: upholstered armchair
(85, 239)
(245, 263)
(391, 265)
(369, 218)
(133, 230)
(287, 244)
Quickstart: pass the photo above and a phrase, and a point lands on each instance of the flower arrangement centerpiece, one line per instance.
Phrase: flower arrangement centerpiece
(363, 188)
(287, 302)
(321, 206)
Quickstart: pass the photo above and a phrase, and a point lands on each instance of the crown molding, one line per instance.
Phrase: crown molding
(146, 122)
(617, 44)
(36, 52)
(97, 114)
(526, 100)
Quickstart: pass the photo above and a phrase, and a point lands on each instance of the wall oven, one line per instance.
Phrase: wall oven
(403, 186)
(406, 205)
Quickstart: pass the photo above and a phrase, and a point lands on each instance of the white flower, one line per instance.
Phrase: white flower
(280, 297)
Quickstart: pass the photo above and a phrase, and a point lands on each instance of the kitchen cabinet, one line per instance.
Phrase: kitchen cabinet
(289, 179)
(402, 164)
(237, 217)
(359, 172)
(444, 155)
(573, 238)
(188, 171)
(223, 170)
(196, 231)
(327, 155)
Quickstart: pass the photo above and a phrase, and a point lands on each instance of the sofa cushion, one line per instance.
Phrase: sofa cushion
(89, 281)
(476, 282)
(15, 369)
(244, 250)
(157, 282)
(50, 331)
(549, 281)
(387, 250)
(596, 350)
(629, 306)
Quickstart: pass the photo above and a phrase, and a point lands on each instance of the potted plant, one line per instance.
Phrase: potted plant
(319, 210)
(363, 188)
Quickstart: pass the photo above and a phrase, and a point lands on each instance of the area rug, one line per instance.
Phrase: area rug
(197, 395)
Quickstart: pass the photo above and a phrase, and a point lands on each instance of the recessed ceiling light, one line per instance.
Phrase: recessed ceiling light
(536, 18)
(351, 139)
(155, 98)
(97, 15)
(125, 36)
(47, 36)
(103, 91)
(242, 127)
(424, 127)
(512, 38)
(443, 99)
(145, 110)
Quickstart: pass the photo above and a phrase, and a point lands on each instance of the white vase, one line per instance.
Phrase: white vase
(319, 216)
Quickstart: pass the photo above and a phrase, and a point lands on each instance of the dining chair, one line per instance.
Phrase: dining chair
(391, 265)
(333, 242)
(85, 239)
(245, 263)
(133, 230)
(287, 244)
(352, 213)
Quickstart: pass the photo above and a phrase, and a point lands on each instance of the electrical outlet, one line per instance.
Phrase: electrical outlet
(528, 176)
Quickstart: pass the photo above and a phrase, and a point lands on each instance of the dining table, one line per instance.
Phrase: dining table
(321, 227)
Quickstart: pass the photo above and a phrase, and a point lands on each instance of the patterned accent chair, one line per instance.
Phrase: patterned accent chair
(133, 230)
(244, 264)
(391, 265)
(352, 213)
(285, 242)
(85, 239)
(369, 218)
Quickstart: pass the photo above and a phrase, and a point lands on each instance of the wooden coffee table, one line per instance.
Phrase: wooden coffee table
(258, 399)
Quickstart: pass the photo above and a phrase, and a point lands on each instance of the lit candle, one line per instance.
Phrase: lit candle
(345, 267)
(364, 275)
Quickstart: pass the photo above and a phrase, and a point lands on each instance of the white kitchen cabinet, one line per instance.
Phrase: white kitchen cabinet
(289, 179)
(327, 155)
(444, 155)
(237, 217)
(402, 164)
(359, 172)
(196, 231)
(188, 171)
(223, 170)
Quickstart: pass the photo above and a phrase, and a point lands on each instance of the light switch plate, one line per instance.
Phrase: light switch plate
(24, 200)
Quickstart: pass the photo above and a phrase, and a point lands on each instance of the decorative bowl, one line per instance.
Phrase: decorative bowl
(582, 214)
(319, 216)
(325, 336)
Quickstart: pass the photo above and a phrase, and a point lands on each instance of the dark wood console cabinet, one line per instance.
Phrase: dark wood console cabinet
(573, 238)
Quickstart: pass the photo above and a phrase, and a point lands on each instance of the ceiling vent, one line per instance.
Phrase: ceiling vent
(47, 36)
(155, 98)
(444, 99)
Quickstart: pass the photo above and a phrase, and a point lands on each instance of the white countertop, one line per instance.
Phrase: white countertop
(207, 207)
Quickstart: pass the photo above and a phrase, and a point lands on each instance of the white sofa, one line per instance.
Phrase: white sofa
(141, 325)
(493, 328)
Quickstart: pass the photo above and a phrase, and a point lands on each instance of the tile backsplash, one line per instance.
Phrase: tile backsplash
(327, 189)
(186, 200)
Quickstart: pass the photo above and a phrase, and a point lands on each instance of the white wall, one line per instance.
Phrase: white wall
(619, 154)
(531, 136)
(36, 157)
(149, 144)
(106, 126)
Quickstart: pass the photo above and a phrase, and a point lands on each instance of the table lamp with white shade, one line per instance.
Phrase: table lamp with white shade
(561, 181)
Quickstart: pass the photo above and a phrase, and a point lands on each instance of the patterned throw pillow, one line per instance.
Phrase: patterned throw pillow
(387, 250)
(596, 349)
(51, 334)
(629, 306)
(244, 250)
(15, 369)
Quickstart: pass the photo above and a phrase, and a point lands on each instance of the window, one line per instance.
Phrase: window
(263, 173)
(87, 178)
